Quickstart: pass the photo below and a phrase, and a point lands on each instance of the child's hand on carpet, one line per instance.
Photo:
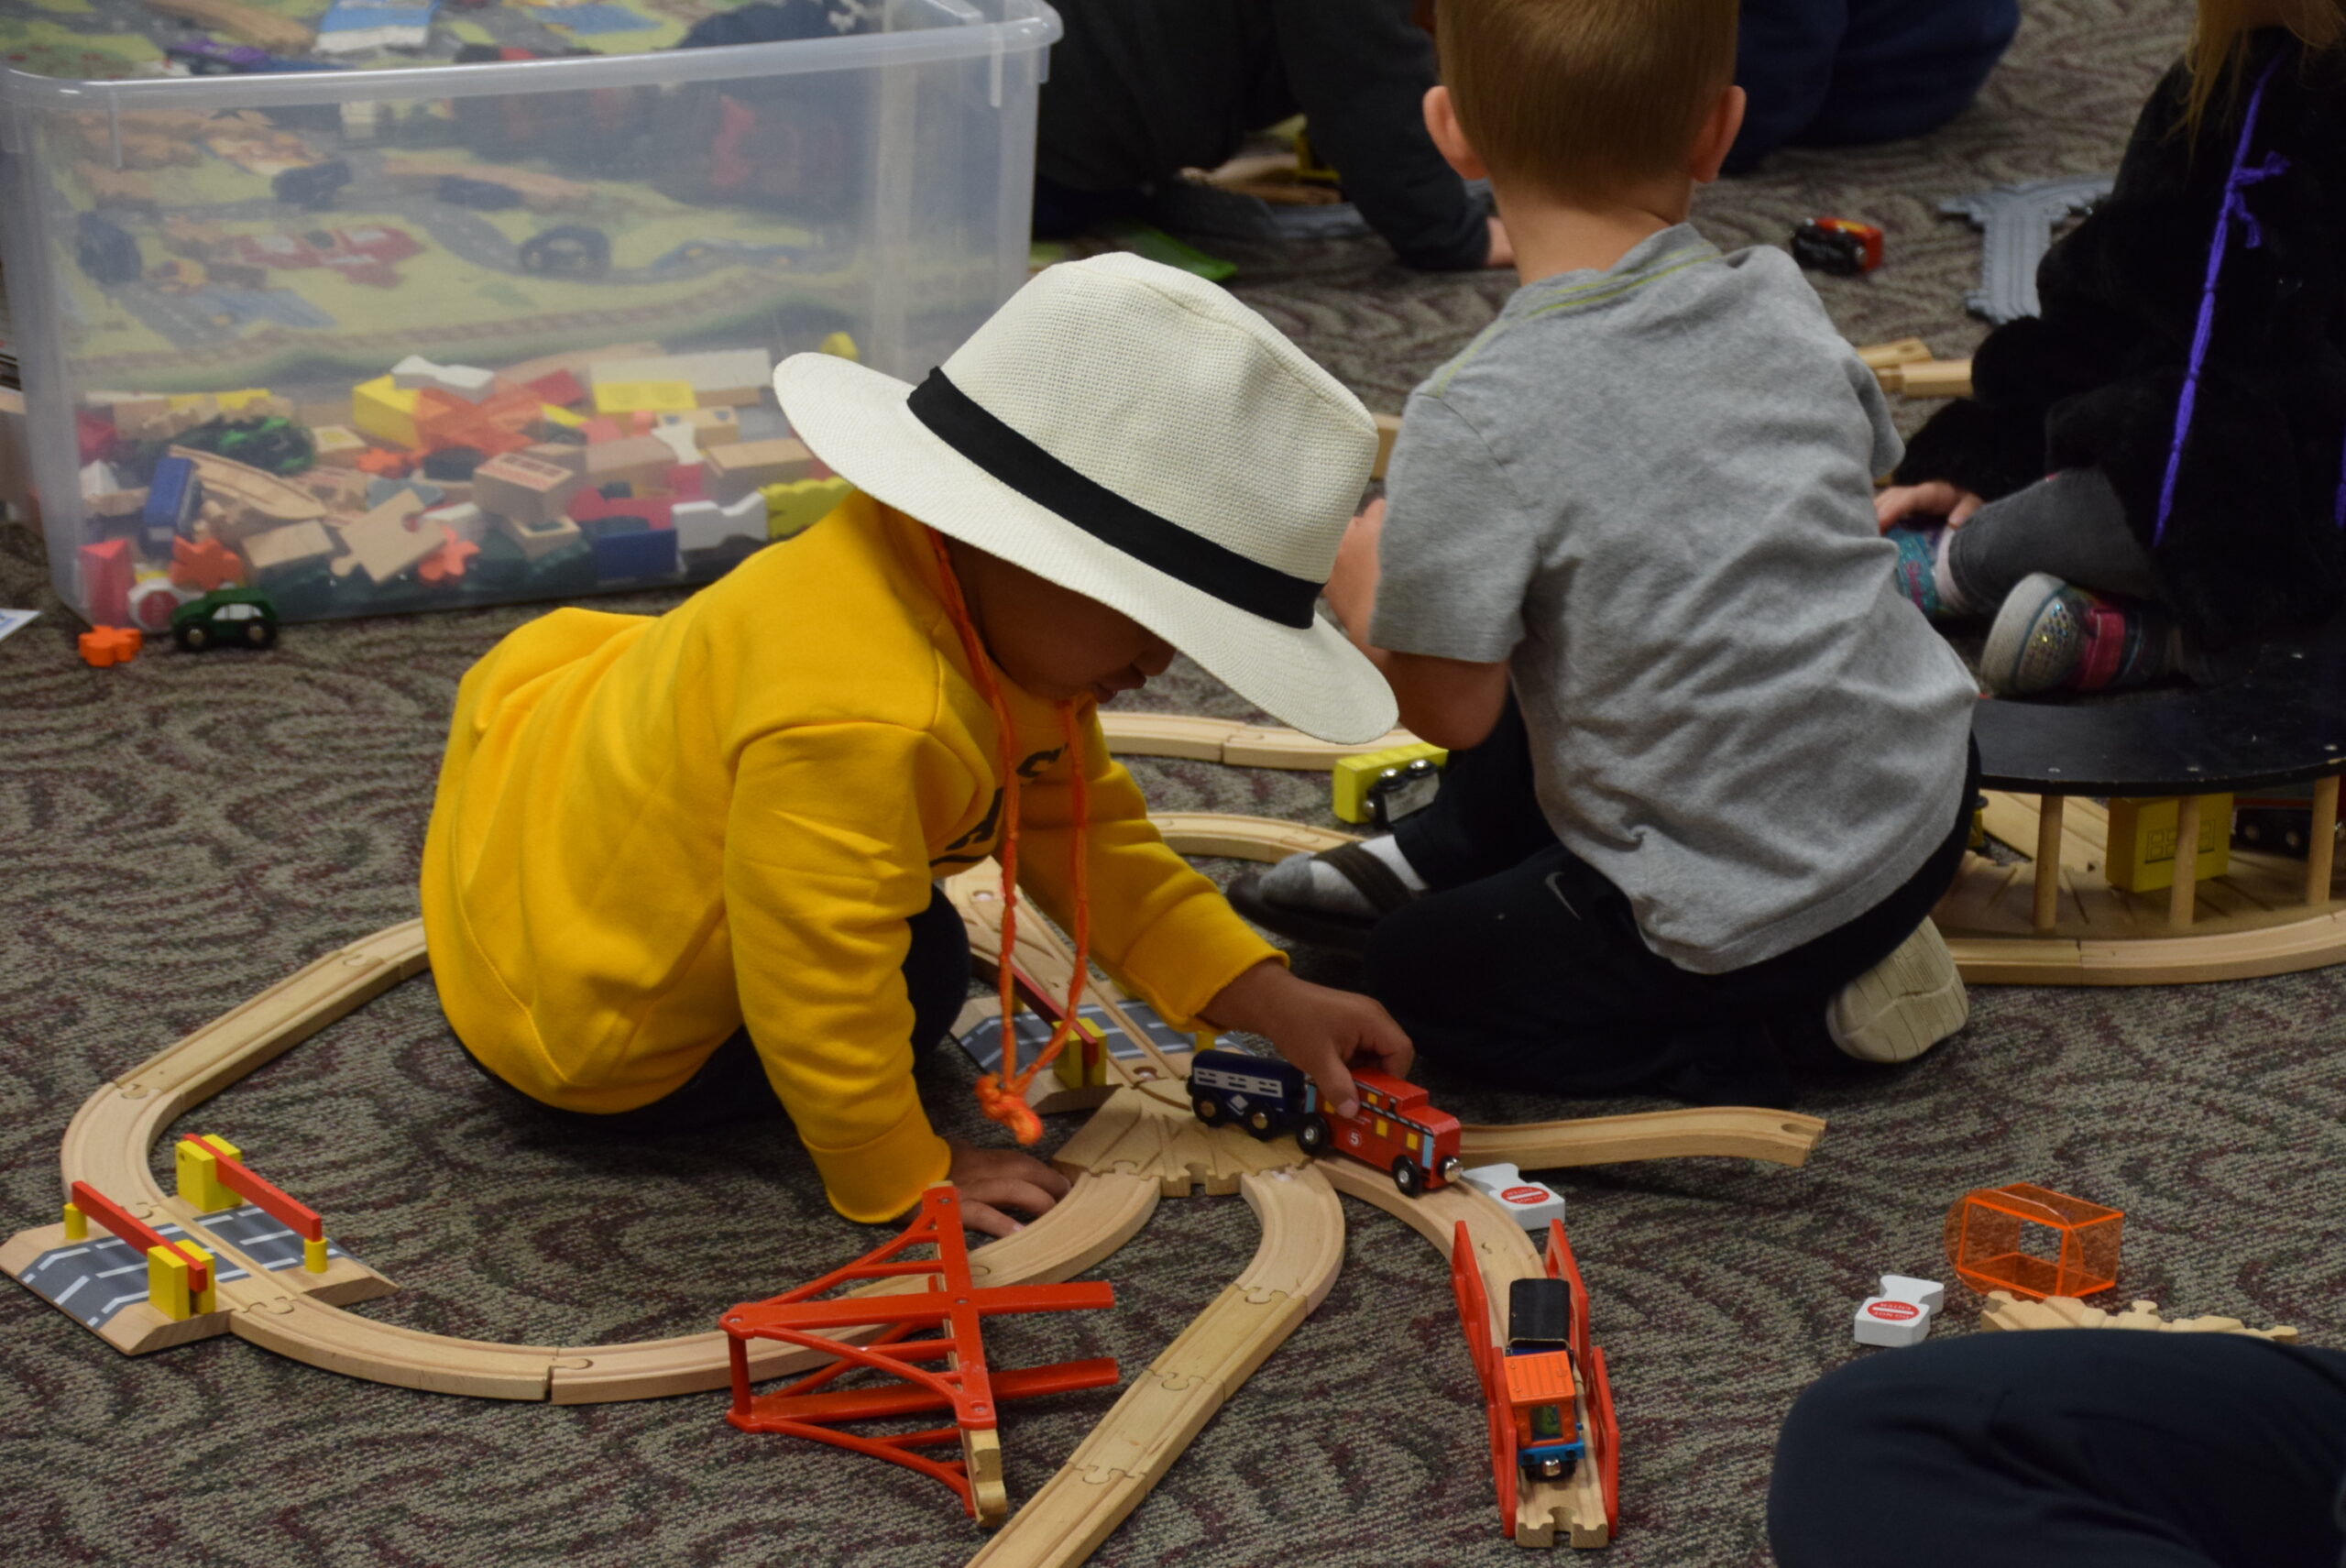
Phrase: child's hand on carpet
(1932, 497)
(990, 1180)
(1316, 1028)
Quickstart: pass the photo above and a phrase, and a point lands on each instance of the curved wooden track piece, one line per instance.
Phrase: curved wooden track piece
(2004, 1311)
(2266, 915)
(1574, 1506)
(1150, 1131)
(297, 1315)
(1167, 1406)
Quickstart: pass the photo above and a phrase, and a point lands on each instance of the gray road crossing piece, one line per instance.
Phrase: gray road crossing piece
(2016, 226)
(983, 1044)
(91, 1282)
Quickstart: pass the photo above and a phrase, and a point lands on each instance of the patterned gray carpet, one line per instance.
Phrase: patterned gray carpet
(180, 834)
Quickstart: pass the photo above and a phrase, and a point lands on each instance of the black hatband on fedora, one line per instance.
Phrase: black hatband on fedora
(969, 428)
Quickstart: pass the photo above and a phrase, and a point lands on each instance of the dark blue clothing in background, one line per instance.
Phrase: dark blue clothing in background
(1849, 73)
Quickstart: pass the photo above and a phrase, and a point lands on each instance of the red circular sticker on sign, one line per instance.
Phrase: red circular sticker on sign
(1525, 1195)
(1895, 1312)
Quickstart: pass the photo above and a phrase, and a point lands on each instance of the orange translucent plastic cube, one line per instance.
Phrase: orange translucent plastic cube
(2073, 1250)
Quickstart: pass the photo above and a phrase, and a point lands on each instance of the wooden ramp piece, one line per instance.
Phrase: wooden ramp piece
(1744, 1131)
(1151, 1132)
(1573, 1509)
(1167, 1406)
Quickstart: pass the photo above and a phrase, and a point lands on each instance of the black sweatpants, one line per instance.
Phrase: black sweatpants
(1523, 965)
(731, 1085)
(2080, 1448)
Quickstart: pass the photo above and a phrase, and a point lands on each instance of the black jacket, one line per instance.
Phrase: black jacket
(2245, 534)
(1142, 89)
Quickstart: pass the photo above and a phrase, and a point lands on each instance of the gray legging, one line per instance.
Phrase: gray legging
(2071, 525)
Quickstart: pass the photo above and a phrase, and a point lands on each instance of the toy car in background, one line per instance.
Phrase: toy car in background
(233, 617)
(1540, 1378)
(1398, 1129)
(1837, 245)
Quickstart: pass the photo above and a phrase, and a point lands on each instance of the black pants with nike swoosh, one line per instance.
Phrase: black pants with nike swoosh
(1523, 964)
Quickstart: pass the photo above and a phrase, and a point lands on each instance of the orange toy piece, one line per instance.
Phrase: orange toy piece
(205, 565)
(382, 463)
(105, 645)
(446, 563)
(443, 420)
(1988, 1242)
(952, 1308)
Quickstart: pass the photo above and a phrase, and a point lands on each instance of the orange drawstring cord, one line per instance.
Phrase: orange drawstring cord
(1003, 1094)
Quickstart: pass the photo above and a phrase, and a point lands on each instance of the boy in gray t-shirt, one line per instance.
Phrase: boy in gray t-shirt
(1709, 768)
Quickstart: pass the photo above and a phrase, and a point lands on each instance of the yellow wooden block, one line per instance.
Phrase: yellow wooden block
(798, 504)
(77, 1224)
(2141, 856)
(841, 345)
(644, 397)
(1083, 1063)
(222, 401)
(1354, 775)
(313, 1255)
(381, 409)
(168, 1282)
(199, 1178)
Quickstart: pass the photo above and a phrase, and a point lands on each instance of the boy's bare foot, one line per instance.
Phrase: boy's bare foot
(990, 1180)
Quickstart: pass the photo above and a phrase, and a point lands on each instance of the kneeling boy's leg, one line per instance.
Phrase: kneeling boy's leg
(1537, 977)
(2089, 1450)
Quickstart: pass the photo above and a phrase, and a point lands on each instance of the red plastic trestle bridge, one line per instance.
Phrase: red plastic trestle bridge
(952, 1305)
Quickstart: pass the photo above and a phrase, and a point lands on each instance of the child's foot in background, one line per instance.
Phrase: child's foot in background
(2050, 635)
(1904, 1006)
(1921, 572)
(1366, 880)
(1333, 898)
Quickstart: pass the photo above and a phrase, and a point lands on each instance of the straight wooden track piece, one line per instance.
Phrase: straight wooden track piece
(1164, 1408)
(1229, 741)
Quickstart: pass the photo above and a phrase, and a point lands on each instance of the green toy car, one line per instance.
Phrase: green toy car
(244, 617)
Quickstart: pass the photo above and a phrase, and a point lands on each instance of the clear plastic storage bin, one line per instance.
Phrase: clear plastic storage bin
(379, 341)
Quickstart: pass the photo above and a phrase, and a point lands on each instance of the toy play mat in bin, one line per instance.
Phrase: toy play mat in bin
(390, 340)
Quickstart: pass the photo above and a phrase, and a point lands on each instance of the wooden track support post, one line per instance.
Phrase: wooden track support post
(2321, 840)
(2184, 895)
(2047, 884)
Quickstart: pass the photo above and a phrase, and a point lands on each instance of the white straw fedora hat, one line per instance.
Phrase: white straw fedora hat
(1133, 434)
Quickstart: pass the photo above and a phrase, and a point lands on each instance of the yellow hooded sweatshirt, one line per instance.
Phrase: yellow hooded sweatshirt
(650, 831)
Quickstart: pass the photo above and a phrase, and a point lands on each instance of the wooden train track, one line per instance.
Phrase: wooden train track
(1166, 1407)
(2050, 920)
(1142, 1143)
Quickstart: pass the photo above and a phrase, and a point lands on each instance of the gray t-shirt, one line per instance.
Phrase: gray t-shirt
(1650, 491)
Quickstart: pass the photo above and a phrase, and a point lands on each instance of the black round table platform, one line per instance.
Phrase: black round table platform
(2284, 722)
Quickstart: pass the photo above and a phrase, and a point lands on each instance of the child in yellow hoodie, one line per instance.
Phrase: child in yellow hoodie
(675, 860)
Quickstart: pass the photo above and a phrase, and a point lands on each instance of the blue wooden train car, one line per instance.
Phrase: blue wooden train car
(1263, 1094)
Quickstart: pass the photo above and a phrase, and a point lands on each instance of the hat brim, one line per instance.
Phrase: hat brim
(855, 420)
